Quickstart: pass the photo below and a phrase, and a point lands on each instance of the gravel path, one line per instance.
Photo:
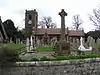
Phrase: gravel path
(38, 55)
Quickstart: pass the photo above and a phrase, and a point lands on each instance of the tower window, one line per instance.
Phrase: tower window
(30, 17)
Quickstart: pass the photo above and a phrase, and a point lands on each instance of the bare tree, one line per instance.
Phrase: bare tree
(47, 21)
(95, 18)
(53, 25)
(77, 21)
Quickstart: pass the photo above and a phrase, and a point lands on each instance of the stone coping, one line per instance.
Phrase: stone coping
(57, 63)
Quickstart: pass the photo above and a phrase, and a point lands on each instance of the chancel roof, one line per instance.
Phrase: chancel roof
(55, 31)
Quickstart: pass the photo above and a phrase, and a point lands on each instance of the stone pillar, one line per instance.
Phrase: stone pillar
(62, 14)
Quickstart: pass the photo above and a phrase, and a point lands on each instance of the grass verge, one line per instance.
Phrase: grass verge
(46, 48)
(57, 58)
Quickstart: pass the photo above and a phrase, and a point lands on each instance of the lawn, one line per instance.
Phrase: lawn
(46, 48)
(86, 55)
(58, 58)
(14, 46)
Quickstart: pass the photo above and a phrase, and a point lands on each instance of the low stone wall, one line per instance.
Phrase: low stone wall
(66, 67)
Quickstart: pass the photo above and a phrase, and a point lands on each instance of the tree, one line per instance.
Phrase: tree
(10, 29)
(77, 21)
(47, 21)
(95, 18)
(95, 34)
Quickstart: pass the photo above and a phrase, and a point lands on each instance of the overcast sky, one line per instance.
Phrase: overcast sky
(15, 10)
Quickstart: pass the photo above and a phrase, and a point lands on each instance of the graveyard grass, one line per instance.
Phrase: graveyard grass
(48, 48)
(88, 54)
(14, 46)
(45, 48)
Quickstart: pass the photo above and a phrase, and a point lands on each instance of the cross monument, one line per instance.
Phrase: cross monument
(62, 14)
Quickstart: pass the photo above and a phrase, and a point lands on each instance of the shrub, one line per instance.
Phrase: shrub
(8, 56)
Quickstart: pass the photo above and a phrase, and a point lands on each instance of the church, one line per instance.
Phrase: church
(31, 29)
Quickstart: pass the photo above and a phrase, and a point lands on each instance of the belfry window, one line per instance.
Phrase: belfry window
(30, 17)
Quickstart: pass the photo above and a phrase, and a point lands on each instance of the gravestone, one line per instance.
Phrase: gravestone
(89, 40)
(81, 47)
(38, 43)
(17, 40)
(31, 44)
(53, 40)
(45, 38)
(98, 41)
(63, 46)
(27, 44)
(11, 40)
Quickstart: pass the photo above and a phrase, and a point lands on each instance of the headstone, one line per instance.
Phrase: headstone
(98, 41)
(45, 38)
(11, 40)
(55, 41)
(98, 44)
(89, 41)
(31, 44)
(75, 44)
(81, 47)
(38, 43)
(77, 40)
(19, 42)
(92, 42)
(27, 44)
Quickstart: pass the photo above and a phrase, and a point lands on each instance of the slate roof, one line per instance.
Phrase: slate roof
(56, 31)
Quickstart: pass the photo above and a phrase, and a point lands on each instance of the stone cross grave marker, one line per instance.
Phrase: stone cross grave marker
(62, 46)
(62, 14)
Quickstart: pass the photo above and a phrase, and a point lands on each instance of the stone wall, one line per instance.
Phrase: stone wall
(66, 67)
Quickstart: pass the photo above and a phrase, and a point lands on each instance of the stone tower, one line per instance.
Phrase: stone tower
(31, 19)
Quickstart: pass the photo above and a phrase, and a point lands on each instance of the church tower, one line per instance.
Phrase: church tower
(31, 20)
